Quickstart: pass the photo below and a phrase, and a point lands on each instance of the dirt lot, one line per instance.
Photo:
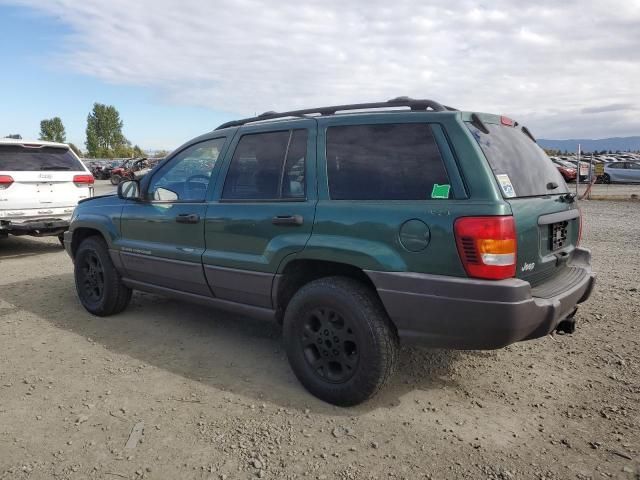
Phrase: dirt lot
(216, 399)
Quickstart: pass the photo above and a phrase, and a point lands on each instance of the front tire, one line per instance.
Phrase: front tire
(115, 179)
(98, 283)
(339, 340)
(606, 178)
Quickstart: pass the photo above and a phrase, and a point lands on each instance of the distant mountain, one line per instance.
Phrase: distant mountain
(589, 145)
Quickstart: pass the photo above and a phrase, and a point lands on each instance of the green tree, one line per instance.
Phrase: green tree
(123, 150)
(138, 152)
(75, 149)
(52, 130)
(104, 132)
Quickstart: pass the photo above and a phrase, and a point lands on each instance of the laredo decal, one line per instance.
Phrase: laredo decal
(136, 250)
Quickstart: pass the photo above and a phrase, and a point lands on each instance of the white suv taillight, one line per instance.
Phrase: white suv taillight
(83, 180)
(5, 181)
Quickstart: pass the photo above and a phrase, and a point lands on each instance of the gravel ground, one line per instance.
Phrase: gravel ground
(171, 390)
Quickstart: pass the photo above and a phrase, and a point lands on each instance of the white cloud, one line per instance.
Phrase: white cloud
(545, 63)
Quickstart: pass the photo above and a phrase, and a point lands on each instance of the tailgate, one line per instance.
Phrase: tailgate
(548, 230)
(546, 218)
(36, 190)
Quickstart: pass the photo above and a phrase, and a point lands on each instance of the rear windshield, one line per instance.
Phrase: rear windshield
(16, 158)
(519, 164)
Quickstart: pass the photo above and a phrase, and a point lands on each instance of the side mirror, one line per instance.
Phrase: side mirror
(129, 190)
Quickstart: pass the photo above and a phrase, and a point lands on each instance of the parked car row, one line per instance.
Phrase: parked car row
(622, 168)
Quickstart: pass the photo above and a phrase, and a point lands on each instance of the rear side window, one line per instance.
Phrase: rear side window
(18, 158)
(520, 166)
(385, 162)
(268, 166)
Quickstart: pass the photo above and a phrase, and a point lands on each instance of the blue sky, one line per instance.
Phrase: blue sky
(35, 87)
(176, 69)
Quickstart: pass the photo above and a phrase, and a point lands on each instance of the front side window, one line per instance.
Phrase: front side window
(385, 162)
(268, 166)
(186, 177)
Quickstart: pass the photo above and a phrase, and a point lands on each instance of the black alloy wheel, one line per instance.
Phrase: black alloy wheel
(91, 279)
(330, 345)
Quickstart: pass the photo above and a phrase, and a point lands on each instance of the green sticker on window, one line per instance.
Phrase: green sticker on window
(440, 191)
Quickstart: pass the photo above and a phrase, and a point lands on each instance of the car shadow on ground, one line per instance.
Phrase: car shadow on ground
(226, 351)
(16, 247)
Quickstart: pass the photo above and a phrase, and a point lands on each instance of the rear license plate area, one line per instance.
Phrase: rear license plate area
(558, 233)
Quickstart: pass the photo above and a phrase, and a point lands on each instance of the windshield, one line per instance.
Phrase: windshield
(18, 158)
(520, 166)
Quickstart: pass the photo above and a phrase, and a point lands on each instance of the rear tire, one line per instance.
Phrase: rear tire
(339, 340)
(98, 283)
(61, 239)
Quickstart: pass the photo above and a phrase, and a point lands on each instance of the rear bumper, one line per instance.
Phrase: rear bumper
(464, 313)
(38, 227)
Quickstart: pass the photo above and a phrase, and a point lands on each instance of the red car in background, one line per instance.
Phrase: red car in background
(566, 169)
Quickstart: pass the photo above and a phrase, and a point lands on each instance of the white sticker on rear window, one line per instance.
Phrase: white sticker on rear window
(506, 185)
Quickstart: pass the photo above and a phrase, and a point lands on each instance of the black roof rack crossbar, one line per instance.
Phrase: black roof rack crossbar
(414, 105)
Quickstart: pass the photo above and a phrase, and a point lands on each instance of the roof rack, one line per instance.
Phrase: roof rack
(414, 105)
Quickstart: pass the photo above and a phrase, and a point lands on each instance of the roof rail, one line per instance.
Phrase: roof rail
(415, 105)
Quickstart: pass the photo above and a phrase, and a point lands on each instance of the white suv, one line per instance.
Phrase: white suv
(40, 185)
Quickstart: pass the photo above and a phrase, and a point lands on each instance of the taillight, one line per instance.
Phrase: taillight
(5, 181)
(487, 246)
(82, 180)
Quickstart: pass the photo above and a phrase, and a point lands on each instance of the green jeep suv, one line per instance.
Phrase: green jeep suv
(357, 227)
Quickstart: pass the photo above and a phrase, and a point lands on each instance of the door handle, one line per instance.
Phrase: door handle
(287, 220)
(188, 218)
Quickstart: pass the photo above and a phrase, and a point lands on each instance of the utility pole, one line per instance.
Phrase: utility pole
(591, 179)
(578, 175)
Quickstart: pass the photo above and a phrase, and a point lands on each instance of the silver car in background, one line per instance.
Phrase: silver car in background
(621, 172)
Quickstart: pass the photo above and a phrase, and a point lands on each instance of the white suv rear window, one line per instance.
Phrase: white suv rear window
(15, 158)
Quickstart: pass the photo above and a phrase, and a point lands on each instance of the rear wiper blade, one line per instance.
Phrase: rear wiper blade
(478, 123)
(526, 131)
(568, 197)
(55, 167)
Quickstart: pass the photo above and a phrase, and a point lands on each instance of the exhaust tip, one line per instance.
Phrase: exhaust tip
(568, 325)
